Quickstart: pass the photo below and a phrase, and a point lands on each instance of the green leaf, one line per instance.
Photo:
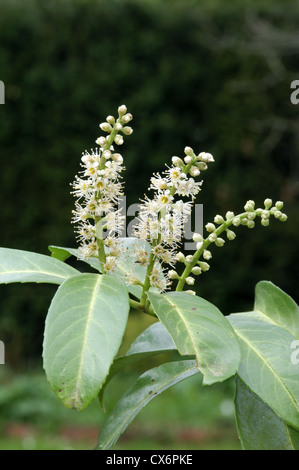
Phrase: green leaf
(198, 328)
(147, 386)
(259, 428)
(266, 366)
(84, 329)
(63, 254)
(24, 266)
(278, 306)
(152, 341)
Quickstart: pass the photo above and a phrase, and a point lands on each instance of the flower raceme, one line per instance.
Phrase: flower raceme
(161, 218)
(98, 190)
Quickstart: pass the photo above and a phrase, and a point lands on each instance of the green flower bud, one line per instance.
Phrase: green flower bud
(206, 157)
(190, 280)
(204, 266)
(250, 224)
(127, 130)
(196, 270)
(118, 139)
(197, 237)
(212, 237)
(188, 159)
(210, 227)
(180, 256)
(189, 151)
(268, 203)
(118, 126)
(106, 127)
(176, 161)
(279, 205)
(194, 171)
(251, 215)
(229, 215)
(265, 215)
(173, 274)
(218, 219)
(219, 241)
(202, 166)
(265, 222)
(230, 234)
(249, 206)
(122, 110)
(110, 119)
(107, 154)
(101, 141)
(207, 255)
(127, 118)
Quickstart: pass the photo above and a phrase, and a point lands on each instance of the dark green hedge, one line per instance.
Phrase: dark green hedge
(212, 75)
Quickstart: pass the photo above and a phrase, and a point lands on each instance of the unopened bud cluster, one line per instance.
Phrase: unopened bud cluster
(98, 189)
(220, 225)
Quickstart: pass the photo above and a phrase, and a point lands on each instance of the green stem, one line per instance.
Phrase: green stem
(205, 245)
(136, 306)
(100, 243)
(147, 282)
(98, 220)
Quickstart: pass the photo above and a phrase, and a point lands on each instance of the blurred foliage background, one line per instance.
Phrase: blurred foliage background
(210, 74)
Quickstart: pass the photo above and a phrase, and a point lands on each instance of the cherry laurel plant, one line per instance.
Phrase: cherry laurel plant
(149, 273)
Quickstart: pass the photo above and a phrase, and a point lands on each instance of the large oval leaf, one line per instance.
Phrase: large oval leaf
(266, 366)
(148, 386)
(278, 306)
(24, 266)
(198, 328)
(84, 329)
(259, 428)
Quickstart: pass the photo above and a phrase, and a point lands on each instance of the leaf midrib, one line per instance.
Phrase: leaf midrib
(185, 323)
(91, 307)
(32, 272)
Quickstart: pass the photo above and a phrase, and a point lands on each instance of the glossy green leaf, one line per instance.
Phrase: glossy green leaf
(63, 254)
(84, 329)
(278, 306)
(259, 428)
(148, 386)
(24, 266)
(198, 328)
(266, 366)
(152, 341)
